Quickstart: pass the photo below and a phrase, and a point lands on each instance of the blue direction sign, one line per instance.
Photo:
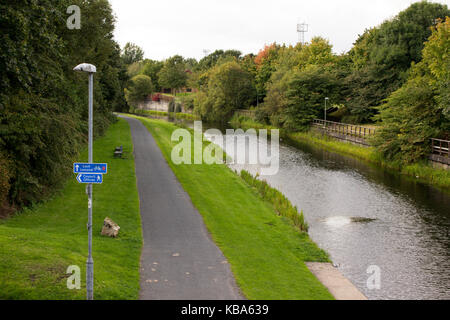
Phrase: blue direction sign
(90, 168)
(90, 178)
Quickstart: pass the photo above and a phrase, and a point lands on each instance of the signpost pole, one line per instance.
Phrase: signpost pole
(90, 261)
(90, 70)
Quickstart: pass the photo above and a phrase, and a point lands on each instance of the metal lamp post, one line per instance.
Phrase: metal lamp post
(325, 112)
(90, 69)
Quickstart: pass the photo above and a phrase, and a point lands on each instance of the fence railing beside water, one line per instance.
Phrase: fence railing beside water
(344, 128)
(246, 113)
(345, 131)
(440, 151)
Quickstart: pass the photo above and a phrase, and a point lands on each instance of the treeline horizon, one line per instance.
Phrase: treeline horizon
(396, 75)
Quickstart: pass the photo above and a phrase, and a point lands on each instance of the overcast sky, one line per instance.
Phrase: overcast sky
(164, 28)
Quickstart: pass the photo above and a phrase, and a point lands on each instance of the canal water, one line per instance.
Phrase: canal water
(366, 216)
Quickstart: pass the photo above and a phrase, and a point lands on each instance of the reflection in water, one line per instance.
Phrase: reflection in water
(408, 238)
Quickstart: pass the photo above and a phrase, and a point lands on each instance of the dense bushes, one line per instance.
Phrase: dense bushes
(229, 88)
(43, 103)
(140, 87)
(383, 55)
(419, 110)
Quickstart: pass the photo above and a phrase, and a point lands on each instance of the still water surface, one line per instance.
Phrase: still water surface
(408, 238)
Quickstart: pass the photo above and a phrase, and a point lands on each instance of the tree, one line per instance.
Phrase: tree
(132, 53)
(265, 66)
(229, 88)
(292, 61)
(141, 86)
(415, 113)
(306, 95)
(43, 103)
(382, 56)
(173, 74)
(210, 60)
(151, 69)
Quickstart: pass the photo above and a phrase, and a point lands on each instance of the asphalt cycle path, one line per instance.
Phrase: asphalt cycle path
(179, 260)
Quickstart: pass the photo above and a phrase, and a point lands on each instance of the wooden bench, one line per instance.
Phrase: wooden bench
(118, 152)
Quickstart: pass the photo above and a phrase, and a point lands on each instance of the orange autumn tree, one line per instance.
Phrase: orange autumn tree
(265, 66)
(264, 54)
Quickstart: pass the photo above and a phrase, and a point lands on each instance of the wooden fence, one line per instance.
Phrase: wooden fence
(345, 131)
(246, 113)
(440, 151)
(344, 128)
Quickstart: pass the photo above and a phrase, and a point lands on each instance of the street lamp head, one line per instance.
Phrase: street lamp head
(85, 67)
(327, 98)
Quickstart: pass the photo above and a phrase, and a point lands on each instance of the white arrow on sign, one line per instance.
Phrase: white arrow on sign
(79, 178)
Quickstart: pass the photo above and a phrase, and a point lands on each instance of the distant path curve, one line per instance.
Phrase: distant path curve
(179, 260)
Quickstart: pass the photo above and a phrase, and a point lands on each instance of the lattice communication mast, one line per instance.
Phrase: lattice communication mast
(302, 28)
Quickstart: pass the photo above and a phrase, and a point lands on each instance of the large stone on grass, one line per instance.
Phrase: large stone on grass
(110, 228)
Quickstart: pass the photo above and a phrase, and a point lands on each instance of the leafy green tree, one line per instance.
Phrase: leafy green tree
(292, 61)
(265, 65)
(436, 55)
(382, 56)
(306, 95)
(43, 103)
(210, 60)
(173, 74)
(132, 53)
(140, 87)
(229, 88)
(415, 113)
(151, 69)
(135, 68)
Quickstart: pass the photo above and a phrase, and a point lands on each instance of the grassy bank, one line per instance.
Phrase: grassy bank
(266, 251)
(178, 115)
(423, 172)
(38, 244)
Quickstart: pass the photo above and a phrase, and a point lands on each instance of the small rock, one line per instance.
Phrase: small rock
(176, 255)
(110, 228)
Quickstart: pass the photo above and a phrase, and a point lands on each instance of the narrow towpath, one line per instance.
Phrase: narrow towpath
(179, 260)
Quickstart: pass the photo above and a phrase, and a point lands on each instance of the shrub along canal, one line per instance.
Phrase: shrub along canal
(364, 215)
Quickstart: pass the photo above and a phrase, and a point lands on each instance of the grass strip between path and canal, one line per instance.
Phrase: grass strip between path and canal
(266, 251)
(37, 245)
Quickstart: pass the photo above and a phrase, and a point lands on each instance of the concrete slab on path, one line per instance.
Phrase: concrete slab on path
(339, 286)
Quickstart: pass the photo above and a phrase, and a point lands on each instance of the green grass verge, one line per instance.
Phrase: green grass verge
(423, 171)
(266, 252)
(282, 205)
(37, 245)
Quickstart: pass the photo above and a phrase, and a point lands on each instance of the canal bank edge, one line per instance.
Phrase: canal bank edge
(338, 285)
